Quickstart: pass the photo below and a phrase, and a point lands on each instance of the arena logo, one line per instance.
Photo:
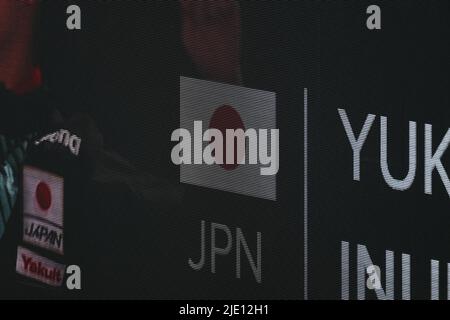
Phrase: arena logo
(227, 138)
(63, 137)
(364, 264)
(432, 159)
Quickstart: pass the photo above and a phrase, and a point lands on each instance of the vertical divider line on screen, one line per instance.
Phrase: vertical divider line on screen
(305, 193)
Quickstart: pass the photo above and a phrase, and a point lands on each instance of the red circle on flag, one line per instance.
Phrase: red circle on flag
(223, 118)
(43, 196)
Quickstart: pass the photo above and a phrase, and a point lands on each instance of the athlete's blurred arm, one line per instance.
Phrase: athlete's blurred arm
(16, 53)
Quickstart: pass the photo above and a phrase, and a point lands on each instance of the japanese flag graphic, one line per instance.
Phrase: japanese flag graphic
(223, 106)
(43, 194)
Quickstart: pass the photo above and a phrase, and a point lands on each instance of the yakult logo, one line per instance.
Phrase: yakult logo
(39, 268)
(227, 138)
(71, 141)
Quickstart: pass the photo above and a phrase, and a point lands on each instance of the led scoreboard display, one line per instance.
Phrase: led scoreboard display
(378, 137)
(225, 150)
